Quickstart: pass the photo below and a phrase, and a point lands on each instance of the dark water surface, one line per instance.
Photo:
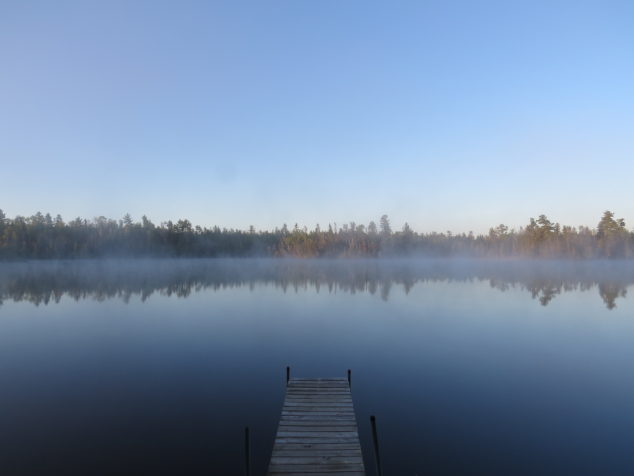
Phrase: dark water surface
(155, 367)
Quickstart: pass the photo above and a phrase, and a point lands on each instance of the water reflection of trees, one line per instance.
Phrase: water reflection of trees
(546, 290)
(48, 282)
(610, 291)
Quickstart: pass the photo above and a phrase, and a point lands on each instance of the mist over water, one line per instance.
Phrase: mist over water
(471, 366)
(44, 282)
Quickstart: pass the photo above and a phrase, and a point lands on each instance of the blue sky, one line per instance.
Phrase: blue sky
(448, 115)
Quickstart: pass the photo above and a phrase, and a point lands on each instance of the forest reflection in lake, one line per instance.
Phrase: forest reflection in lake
(472, 367)
(45, 282)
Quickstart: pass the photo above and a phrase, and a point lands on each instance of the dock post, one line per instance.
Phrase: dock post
(349, 378)
(375, 440)
(247, 452)
(288, 374)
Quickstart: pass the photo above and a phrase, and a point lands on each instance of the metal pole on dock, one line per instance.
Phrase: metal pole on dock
(288, 374)
(375, 440)
(247, 452)
(349, 378)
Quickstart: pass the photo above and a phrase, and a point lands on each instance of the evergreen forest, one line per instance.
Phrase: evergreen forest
(43, 237)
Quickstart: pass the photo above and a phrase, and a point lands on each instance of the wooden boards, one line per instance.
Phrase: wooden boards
(317, 434)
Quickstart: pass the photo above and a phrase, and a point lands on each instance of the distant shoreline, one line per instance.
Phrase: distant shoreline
(43, 237)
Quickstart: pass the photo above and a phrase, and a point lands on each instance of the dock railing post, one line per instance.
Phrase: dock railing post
(288, 374)
(247, 452)
(349, 378)
(375, 440)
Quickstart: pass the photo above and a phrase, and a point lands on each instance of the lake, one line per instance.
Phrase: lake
(471, 367)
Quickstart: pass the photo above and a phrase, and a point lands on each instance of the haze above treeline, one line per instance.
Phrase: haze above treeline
(43, 237)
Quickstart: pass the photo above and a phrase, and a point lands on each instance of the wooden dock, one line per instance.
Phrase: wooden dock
(317, 434)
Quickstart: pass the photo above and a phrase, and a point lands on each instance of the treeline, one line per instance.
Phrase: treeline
(44, 237)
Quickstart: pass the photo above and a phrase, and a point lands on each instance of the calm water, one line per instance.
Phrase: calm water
(155, 367)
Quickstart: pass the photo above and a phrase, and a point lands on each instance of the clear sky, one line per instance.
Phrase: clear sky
(448, 115)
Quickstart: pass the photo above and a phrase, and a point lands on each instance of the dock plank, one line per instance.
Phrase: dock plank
(317, 433)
